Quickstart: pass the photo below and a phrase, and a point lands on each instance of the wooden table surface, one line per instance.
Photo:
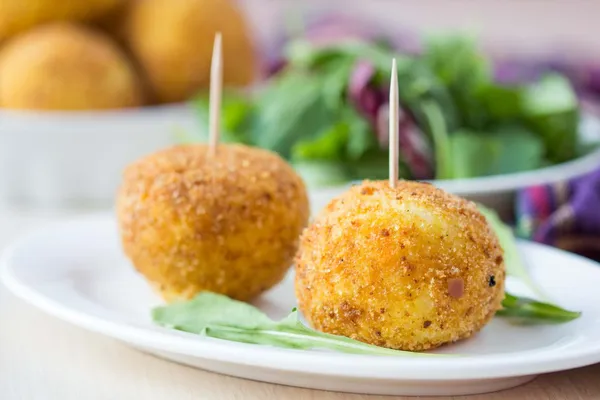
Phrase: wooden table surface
(47, 359)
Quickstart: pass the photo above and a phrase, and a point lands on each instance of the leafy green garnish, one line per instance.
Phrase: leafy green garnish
(463, 69)
(472, 154)
(506, 149)
(525, 308)
(443, 151)
(476, 126)
(237, 113)
(292, 108)
(550, 108)
(528, 310)
(217, 316)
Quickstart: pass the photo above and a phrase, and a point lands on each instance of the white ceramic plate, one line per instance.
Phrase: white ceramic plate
(76, 272)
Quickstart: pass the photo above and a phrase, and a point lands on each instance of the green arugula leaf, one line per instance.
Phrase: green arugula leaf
(218, 316)
(329, 145)
(550, 108)
(416, 80)
(361, 138)
(335, 83)
(472, 154)
(506, 149)
(322, 173)
(464, 70)
(441, 142)
(302, 54)
(529, 310)
(236, 116)
(501, 103)
(290, 109)
(519, 150)
(478, 127)
(210, 309)
(512, 258)
(374, 165)
(457, 60)
(345, 140)
(525, 309)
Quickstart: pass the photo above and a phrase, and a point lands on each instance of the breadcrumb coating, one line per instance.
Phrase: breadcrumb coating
(172, 40)
(66, 66)
(228, 224)
(409, 268)
(17, 16)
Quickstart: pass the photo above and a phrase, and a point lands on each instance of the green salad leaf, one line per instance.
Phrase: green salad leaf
(472, 154)
(519, 150)
(476, 126)
(237, 114)
(550, 108)
(512, 258)
(533, 311)
(525, 309)
(501, 103)
(506, 149)
(441, 141)
(292, 107)
(217, 316)
(464, 70)
(322, 173)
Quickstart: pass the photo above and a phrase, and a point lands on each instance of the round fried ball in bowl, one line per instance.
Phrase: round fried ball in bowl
(66, 66)
(410, 268)
(20, 15)
(172, 40)
(227, 223)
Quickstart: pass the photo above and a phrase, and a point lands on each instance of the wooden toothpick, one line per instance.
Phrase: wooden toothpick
(394, 106)
(216, 88)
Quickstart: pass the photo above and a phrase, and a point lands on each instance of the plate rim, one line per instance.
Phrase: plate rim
(477, 367)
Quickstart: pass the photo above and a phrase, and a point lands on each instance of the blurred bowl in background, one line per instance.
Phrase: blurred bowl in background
(75, 159)
(498, 191)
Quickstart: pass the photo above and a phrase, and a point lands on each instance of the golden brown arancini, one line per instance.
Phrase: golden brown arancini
(228, 224)
(172, 41)
(66, 66)
(409, 268)
(19, 15)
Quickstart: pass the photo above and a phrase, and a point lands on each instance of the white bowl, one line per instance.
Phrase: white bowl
(65, 159)
(496, 192)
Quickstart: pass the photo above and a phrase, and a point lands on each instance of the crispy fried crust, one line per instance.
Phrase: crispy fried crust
(228, 224)
(66, 66)
(172, 40)
(385, 266)
(17, 15)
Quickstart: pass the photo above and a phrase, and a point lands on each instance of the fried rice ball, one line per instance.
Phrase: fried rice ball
(410, 268)
(66, 66)
(172, 40)
(228, 224)
(20, 15)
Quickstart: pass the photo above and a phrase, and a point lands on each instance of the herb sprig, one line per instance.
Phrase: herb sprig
(217, 316)
(522, 308)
